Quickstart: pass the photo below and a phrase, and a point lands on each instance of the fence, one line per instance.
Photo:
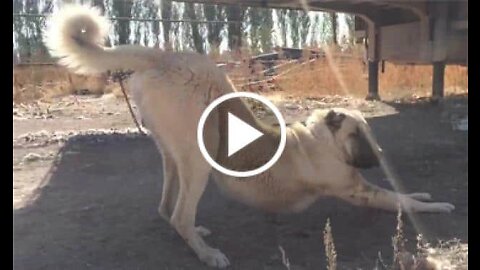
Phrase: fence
(32, 49)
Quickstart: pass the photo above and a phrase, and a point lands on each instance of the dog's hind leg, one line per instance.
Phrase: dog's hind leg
(193, 175)
(366, 194)
(170, 191)
(170, 186)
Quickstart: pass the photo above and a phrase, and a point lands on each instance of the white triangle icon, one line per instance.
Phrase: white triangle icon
(240, 134)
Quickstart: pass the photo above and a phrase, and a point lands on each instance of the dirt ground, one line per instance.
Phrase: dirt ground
(87, 199)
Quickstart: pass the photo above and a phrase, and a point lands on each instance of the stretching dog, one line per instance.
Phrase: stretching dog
(321, 157)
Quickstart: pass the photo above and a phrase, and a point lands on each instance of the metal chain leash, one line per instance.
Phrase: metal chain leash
(119, 76)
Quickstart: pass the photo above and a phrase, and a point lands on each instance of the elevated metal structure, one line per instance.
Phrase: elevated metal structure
(433, 32)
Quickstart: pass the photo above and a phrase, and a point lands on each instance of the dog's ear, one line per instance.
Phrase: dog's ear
(334, 120)
(362, 154)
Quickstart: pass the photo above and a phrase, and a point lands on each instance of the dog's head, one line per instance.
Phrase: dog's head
(350, 133)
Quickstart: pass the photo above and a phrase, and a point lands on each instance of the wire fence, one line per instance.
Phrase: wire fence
(254, 72)
(138, 19)
(33, 52)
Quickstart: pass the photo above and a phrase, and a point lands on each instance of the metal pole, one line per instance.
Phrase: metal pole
(438, 80)
(373, 80)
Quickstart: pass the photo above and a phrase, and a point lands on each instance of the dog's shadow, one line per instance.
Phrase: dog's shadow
(98, 210)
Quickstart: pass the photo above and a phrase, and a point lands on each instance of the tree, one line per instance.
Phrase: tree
(316, 29)
(185, 39)
(326, 28)
(294, 27)
(350, 22)
(261, 26)
(21, 42)
(176, 43)
(166, 8)
(235, 13)
(99, 4)
(266, 29)
(333, 18)
(282, 25)
(197, 38)
(104, 6)
(153, 13)
(255, 23)
(137, 12)
(214, 13)
(28, 30)
(122, 27)
(304, 27)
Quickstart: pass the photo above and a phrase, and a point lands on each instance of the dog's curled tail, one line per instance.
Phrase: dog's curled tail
(76, 35)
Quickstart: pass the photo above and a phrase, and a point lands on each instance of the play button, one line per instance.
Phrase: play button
(241, 134)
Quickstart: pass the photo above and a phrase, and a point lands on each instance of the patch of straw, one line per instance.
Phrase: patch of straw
(330, 251)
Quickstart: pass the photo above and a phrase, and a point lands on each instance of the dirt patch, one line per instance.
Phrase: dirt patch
(88, 199)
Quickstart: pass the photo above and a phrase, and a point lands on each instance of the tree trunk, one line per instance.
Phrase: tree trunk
(266, 30)
(213, 13)
(334, 27)
(123, 9)
(304, 27)
(197, 38)
(282, 25)
(166, 7)
(99, 4)
(255, 21)
(235, 13)
(156, 28)
(350, 21)
(294, 27)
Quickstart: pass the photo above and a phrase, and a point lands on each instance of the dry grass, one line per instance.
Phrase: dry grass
(33, 82)
(330, 251)
(319, 78)
(345, 74)
(338, 74)
(449, 255)
(285, 260)
(401, 258)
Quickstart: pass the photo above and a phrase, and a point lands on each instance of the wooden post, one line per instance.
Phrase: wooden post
(373, 80)
(440, 14)
(373, 56)
(438, 80)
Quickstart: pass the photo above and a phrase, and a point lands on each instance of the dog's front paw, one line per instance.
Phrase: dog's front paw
(440, 207)
(202, 231)
(214, 258)
(420, 196)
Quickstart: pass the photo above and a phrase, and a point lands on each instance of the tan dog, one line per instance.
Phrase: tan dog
(171, 90)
